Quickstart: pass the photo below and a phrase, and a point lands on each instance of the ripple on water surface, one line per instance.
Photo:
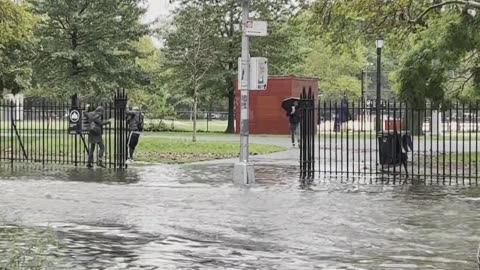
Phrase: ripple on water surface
(192, 217)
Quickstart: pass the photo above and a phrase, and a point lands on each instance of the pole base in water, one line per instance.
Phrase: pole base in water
(244, 174)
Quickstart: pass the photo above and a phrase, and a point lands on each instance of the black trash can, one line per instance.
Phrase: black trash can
(390, 148)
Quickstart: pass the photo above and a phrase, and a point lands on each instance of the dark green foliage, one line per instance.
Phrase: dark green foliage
(85, 46)
(222, 16)
(16, 42)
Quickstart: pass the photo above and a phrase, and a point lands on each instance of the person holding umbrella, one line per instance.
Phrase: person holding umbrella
(291, 106)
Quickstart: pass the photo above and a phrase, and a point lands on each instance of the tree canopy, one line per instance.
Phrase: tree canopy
(86, 47)
(16, 38)
(223, 18)
(435, 40)
(60, 47)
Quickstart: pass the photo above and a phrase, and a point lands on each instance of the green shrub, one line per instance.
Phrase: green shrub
(156, 126)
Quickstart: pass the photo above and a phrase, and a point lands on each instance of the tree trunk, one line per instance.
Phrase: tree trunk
(413, 122)
(195, 102)
(231, 108)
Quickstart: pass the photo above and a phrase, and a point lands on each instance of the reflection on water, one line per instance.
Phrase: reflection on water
(192, 217)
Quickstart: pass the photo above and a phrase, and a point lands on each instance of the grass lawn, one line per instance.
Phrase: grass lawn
(187, 125)
(471, 157)
(62, 124)
(184, 151)
(61, 149)
(57, 124)
(187, 134)
(184, 134)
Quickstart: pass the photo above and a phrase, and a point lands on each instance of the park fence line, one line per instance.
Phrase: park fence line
(41, 132)
(425, 145)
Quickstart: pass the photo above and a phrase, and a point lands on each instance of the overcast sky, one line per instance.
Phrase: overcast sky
(157, 8)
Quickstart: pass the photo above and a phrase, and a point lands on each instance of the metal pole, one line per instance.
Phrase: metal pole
(243, 172)
(244, 88)
(362, 89)
(379, 93)
(362, 97)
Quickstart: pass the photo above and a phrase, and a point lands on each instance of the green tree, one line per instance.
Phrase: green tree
(437, 40)
(223, 17)
(189, 52)
(15, 22)
(433, 37)
(337, 68)
(85, 46)
(16, 44)
(346, 22)
(154, 96)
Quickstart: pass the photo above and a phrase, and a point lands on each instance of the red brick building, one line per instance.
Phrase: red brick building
(266, 113)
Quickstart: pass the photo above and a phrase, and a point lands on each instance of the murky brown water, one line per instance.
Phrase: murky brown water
(192, 217)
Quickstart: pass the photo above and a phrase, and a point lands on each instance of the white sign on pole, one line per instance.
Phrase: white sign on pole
(258, 73)
(242, 76)
(255, 28)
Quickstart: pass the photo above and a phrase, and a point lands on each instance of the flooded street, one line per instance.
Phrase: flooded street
(146, 218)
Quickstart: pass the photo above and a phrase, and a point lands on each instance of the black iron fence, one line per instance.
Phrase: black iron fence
(41, 132)
(427, 144)
(307, 134)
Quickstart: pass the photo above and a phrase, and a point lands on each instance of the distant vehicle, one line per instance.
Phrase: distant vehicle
(214, 116)
(467, 117)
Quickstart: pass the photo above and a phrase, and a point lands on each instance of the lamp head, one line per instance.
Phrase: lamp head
(379, 42)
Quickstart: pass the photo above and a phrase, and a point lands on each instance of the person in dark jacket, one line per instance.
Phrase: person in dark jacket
(342, 114)
(294, 119)
(135, 125)
(96, 123)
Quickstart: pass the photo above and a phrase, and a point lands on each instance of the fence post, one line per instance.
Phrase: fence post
(307, 134)
(75, 104)
(121, 130)
(304, 135)
(12, 118)
(312, 131)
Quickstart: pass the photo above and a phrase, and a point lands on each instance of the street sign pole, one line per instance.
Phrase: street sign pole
(244, 172)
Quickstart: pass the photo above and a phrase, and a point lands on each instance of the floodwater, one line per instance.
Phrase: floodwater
(193, 217)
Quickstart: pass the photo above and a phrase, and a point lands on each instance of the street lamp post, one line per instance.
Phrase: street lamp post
(379, 43)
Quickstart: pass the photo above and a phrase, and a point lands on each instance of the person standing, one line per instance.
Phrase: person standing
(294, 119)
(135, 125)
(342, 115)
(95, 132)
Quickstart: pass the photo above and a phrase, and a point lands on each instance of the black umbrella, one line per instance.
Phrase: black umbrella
(288, 103)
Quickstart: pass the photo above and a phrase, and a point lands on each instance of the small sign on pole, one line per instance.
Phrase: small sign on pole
(242, 76)
(258, 73)
(75, 121)
(255, 28)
